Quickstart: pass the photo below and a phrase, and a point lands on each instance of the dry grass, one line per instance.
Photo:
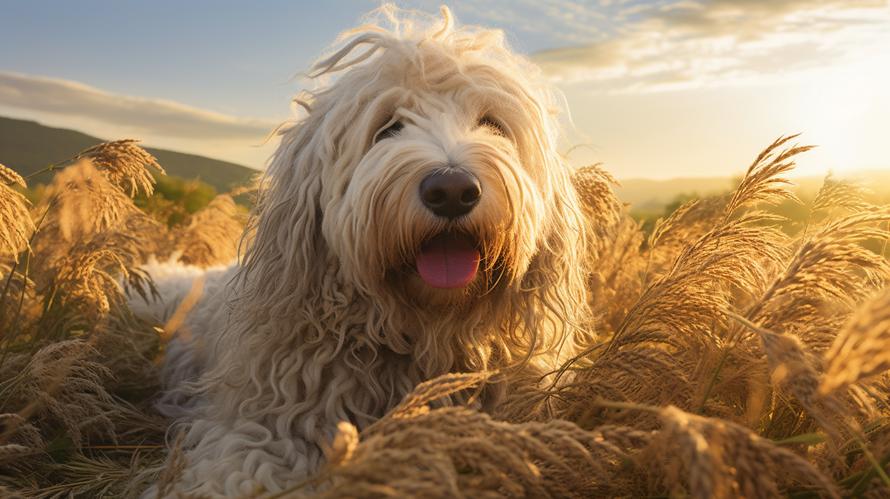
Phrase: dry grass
(15, 224)
(862, 349)
(124, 164)
(731, 358)
(206, 240)
(77, 370)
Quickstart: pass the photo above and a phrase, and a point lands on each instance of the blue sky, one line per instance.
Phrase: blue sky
(661, 88)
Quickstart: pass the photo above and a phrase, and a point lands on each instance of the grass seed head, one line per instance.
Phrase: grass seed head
(862, 349)
(125, 164)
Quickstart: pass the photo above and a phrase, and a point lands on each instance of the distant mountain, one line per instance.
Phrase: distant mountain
(27, 146)
(654, 195)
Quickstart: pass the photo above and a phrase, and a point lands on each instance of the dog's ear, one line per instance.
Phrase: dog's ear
(557, 276)
(289, 256)
(288, 250)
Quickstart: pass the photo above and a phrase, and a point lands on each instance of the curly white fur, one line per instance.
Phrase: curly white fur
(325, 318)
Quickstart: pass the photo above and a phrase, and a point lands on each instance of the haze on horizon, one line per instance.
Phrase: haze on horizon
(656, 89)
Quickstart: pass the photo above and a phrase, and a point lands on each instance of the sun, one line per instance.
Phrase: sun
(845, 109)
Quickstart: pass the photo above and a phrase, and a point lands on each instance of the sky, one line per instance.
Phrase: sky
(656, 89)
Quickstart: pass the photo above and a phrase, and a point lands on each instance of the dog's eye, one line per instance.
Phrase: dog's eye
(494, 125)
(390, 131)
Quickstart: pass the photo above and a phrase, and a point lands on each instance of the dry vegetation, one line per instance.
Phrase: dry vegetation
(732, 359)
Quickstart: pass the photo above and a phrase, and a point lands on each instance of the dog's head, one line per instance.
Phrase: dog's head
(425, 171)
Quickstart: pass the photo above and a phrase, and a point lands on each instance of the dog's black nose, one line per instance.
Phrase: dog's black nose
(450, 193)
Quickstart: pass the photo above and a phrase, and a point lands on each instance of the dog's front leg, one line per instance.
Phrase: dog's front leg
(239, 459)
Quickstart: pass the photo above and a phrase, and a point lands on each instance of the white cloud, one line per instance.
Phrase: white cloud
(148, 117)
(683, 44)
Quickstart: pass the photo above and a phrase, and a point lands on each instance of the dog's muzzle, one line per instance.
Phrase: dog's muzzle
(449, 259)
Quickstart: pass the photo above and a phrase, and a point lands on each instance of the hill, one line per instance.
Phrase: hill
(654, 195)
(27, 146)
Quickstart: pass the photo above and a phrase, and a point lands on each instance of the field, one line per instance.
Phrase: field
(742, 343)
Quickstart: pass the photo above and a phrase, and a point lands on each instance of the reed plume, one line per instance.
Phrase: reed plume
(125, 164)
(419, 451)
(212, 234)
(862, 349)
(16, 226)
(713, 458)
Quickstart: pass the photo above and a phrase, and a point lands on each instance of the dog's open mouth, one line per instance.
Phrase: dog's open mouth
(448, 260)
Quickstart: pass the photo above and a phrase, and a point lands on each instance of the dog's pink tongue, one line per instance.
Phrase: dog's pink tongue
(448, 261)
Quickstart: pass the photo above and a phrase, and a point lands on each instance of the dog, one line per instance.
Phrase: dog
(417, 220)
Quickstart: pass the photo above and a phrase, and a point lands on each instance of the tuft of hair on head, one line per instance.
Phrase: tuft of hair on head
(403, 31)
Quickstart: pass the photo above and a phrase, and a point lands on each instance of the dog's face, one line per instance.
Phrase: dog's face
(420, 204)
(440, 182)
(428, 167)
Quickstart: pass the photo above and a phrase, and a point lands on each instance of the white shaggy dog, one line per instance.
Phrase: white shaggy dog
(417, 221)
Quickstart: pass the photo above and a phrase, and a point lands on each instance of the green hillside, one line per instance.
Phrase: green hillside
(27, 146)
